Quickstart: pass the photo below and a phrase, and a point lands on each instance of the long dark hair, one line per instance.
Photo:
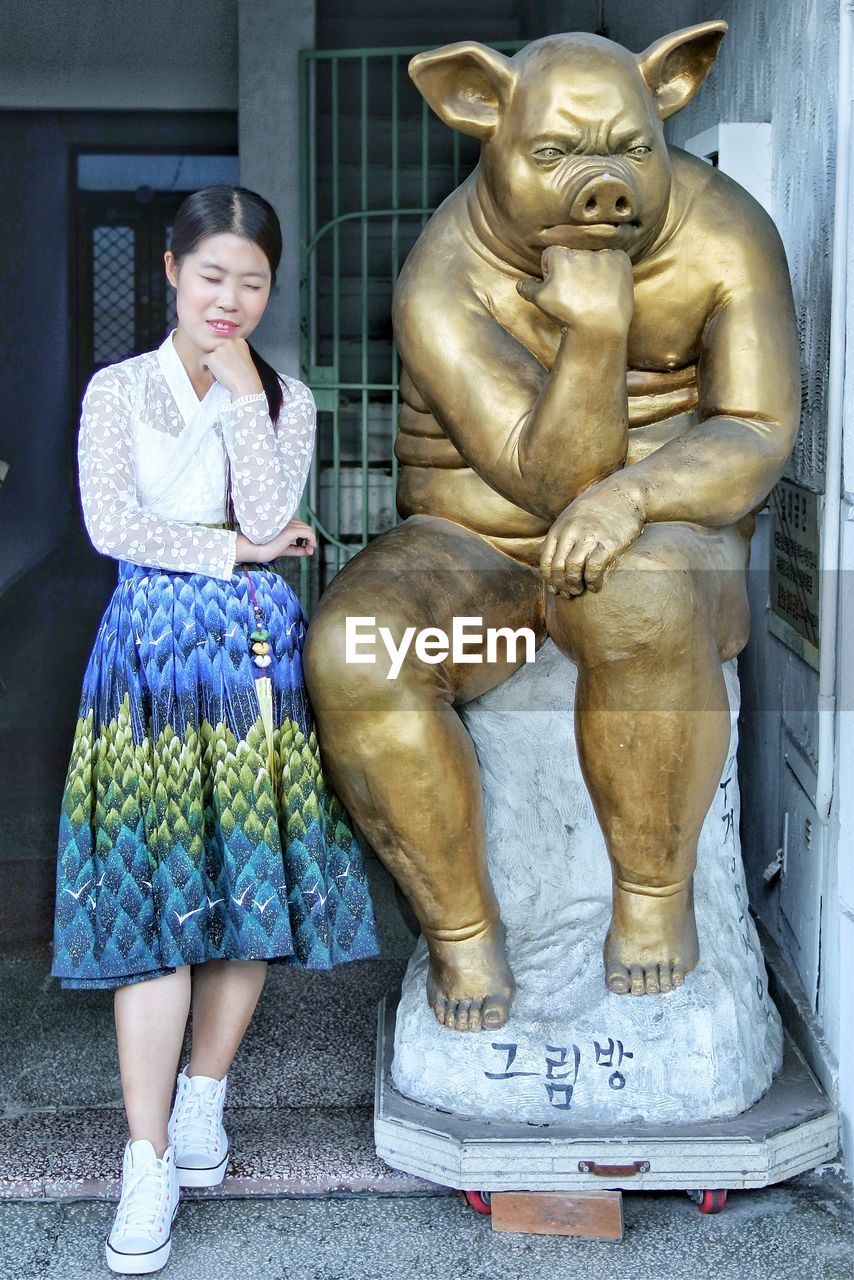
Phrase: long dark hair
(242, 212)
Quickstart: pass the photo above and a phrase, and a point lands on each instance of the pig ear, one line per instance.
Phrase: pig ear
(675, 66)
(466, 84)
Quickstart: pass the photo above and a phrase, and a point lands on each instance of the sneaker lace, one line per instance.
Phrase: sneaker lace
(197, 1124)
(143, 1196)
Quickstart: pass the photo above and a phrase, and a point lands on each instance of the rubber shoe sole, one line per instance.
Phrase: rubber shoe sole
(209, 1177)
(139, 1264)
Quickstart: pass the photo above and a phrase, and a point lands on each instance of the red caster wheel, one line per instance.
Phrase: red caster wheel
(709, 1201)
(479, 1201)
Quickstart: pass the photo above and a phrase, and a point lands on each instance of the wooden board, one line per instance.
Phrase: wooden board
(593, 1215)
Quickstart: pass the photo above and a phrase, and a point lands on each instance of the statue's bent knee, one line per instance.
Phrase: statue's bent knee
(637, 612)
(328, 674)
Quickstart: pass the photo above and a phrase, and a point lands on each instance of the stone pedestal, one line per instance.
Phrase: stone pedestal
(573, 1053)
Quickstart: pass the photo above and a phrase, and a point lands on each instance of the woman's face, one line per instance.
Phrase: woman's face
(222, 289)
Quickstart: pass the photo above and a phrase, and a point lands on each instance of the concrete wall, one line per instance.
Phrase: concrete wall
(269, 150)
(122, 54)
(542, 17)
(35, 430)
(626, 21)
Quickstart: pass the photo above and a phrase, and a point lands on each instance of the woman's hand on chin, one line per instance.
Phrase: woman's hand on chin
(232, 365)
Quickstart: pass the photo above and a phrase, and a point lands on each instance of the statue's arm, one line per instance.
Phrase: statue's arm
(749, 408)
(722, 468)
(538, 437)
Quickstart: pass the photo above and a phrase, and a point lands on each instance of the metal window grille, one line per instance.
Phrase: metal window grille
(375, 163)
(113, 293)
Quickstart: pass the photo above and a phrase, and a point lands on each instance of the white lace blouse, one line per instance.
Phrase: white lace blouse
(153, 461)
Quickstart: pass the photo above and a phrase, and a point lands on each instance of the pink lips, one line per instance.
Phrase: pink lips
(221, 326)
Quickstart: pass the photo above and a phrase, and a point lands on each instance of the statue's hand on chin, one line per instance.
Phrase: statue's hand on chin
(590, 535)
(585, 291)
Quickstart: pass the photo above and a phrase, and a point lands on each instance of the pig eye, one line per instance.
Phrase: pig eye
(640, 150)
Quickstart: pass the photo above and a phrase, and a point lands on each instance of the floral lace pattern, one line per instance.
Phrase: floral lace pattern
(267, 480)
(153, 462)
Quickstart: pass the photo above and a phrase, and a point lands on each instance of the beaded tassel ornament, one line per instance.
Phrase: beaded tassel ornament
(260, 649)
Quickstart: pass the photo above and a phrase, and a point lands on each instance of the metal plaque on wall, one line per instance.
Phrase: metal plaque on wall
(794, 610)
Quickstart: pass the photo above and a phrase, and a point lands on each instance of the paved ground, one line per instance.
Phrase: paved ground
(798, 1230)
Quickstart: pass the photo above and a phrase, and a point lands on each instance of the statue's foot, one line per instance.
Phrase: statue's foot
(652, 940)
(469, 983)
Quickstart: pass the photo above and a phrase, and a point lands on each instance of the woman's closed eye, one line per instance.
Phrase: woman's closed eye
(213, 280)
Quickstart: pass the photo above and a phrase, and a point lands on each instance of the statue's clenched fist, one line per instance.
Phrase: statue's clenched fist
(584, 288)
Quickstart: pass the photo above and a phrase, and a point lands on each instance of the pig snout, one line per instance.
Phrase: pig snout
(602, 197)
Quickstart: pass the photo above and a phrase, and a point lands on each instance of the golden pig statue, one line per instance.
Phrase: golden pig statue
(600, 385)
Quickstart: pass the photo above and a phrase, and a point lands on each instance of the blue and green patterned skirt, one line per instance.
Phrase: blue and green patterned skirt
(186, 835)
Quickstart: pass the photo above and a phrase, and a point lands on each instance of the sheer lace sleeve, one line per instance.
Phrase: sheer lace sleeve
(269, 465)
(116, 522)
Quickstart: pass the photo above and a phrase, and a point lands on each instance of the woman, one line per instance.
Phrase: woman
(198, 838)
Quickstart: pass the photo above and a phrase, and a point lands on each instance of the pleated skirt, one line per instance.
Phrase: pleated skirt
(188, 832)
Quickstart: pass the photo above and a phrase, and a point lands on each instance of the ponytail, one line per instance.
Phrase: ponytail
(271, 383)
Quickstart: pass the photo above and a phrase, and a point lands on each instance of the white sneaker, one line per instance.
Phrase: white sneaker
(141, 1236)
(196, 1133)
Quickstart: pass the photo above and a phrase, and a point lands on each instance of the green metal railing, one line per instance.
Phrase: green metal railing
(374, 165)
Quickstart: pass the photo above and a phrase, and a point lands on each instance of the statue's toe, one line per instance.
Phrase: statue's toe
(439, 1005)
(495, 1013)
(618, 979)
(463, 1021)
